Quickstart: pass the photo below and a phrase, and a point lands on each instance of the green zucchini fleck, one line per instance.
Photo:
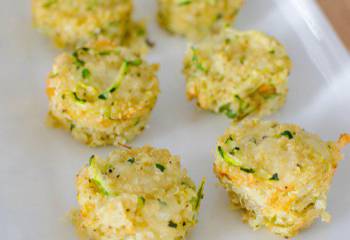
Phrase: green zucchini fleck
(136, 62)
(226, 109)
(160, 167)
(77, 99)
(228, 157)
(98, 178)
(141, 201)
(200, 196)
(242, 59)
(287, 134)
(172, 224)
(123, 71)
(49, 3)
(247, 170)
(275, 177)
(85, 73)
(196, 61)
(77, 61)
(232, 160)
(184, 2)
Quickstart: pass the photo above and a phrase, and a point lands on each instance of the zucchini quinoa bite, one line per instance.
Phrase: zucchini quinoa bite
(197, 19)
(139, 193)
(238, 74)
(101, 93)
(75, 23)
(278, 174)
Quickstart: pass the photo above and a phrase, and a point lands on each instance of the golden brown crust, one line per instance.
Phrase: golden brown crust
(343, 140)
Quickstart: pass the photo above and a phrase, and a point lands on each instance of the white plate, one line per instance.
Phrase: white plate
(38, 164)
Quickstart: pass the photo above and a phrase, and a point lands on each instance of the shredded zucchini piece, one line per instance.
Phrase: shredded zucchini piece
(184, 2)
(123, 71)
(78, 100)
(97, 177)
(199, 195)
(121, 75)
(229, 158)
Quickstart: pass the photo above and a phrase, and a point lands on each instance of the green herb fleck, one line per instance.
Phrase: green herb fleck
(141, 31)
(141, 201)
(112, 24)
(105, 53)
(53, 75)
(109, 52)
(229, 139)
(196, 61)
(136, 62)
(172, 224)
(287, 134)
(91, 159)
(227, 111)
(131, 160)
(242, 59)
(218, 16)
(184, 2)
(77, 61)
(72, 126)
(138, 120)
(201, 68)
(77, 99)
(247, 170)
(103, 96)
(160, 167)
(234, 150)
(161, 202)
(221, 152)
(85, 73)
(275, 177)
(49, 3)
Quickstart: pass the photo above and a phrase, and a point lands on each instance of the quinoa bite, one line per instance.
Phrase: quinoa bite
(278, 174)
(196, 19)
(140, 193)
(102, 94)
(238, 74)
(73, 24)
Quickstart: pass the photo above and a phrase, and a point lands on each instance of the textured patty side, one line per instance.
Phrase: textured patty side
(73, 24)
(136, 194)
(197, 19)
(102, 94)
(277, 173)
(238, 74)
